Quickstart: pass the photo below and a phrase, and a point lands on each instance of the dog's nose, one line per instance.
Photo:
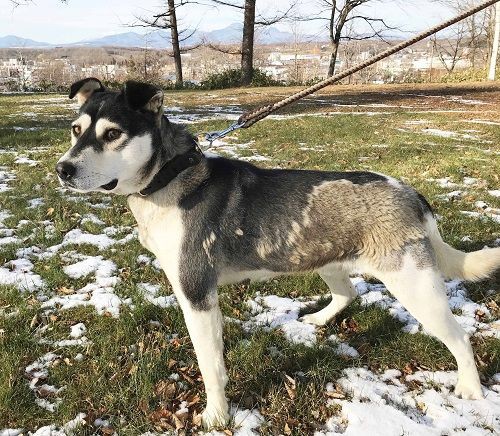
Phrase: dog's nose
(65, 170)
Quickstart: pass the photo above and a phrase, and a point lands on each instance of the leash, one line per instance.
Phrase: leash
(251, 117)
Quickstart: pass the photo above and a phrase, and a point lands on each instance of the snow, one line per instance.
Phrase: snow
(91, 218)
(450, 196)
(5, 178)
(24, 160)
(99, 293)
(90, 264)
(450, 134)
(430, 409)
(486, 213)
(343, 349)
(38, 371)
(78, 330)
(67, 429)
(494, 193)
(271, 312)
(150, 294)
(19, 273)
(232, 149)
(467, 182)
(35, 202)
(245, 423)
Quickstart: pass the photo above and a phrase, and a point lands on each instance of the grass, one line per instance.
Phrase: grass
(120, 376)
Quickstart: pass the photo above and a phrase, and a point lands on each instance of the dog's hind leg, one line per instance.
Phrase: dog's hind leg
(205, 330)
(342, 291)
(422, 292)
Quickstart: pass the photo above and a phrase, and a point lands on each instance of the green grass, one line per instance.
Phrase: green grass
(119, 377)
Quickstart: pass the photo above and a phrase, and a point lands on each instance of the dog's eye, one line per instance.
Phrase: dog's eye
(76, 130)
(112, 135)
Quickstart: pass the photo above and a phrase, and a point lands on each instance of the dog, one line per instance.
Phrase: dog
(213, 221)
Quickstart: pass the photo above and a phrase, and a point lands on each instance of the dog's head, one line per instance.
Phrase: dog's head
(117, 139)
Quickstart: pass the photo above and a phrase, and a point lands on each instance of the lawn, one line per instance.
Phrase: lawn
(93, 342)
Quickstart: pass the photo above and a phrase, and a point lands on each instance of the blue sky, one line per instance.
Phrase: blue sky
(55, 22)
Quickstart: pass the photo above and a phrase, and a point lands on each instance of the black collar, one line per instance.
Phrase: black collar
(172, 169)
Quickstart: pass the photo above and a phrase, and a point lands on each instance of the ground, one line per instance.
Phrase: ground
(92, 341)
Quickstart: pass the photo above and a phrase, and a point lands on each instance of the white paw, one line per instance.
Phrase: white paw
(214, 417)
(313, 318)
(471, 391)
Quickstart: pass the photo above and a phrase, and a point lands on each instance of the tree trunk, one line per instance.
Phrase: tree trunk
(496, 43)
(333, 58)
(175, 44)
(247, 43)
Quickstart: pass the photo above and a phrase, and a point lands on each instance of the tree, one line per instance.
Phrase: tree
(453, 49)
(250, 21)
(474, 32)
(496, 42)
(168, 20)
(340, 13)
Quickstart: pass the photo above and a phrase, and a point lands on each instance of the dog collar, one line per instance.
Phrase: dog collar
(172, 169)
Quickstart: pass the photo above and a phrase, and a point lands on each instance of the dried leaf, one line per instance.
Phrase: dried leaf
(480, 315)
(196, 419)
(108, 430)
(178, 422)
(338, 395)
(64, 290)
(165, 389)
(291, 387)
(349, 325)
(133, 369)
(34, 321)
(50, 211)
(287, 429)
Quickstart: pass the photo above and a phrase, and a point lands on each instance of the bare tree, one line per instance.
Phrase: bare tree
(250, 21)
(168, 21)
(453, 49)
(475, 31)
(339, 14)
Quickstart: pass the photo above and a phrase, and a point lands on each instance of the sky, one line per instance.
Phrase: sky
(55, 22)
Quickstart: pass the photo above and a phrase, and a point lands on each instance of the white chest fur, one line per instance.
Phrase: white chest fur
(161, 231)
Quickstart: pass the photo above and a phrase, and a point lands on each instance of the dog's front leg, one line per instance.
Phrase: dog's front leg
(205, 329)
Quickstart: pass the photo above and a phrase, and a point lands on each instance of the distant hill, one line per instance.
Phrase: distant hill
(159, 38)
(12, 41)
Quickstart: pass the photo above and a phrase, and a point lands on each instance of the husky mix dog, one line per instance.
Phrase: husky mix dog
(212, 221)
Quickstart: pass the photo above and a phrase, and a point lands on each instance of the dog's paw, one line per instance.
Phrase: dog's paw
(469, 392)
(214, 417)
(313, 318)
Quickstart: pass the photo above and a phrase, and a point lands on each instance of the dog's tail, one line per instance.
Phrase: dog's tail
(457, 264)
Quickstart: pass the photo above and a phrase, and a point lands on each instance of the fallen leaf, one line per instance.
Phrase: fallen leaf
(291, 387)
(165, 389)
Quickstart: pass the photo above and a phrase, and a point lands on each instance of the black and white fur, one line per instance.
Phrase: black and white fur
(223, 221)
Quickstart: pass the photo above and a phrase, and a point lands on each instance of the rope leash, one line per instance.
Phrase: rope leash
(251, 117)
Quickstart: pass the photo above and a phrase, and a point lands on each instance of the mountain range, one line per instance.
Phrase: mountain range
(160, 38)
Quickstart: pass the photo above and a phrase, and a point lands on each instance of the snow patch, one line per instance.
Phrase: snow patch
(78, 330)
(272, 312)
(431, 409)
(19, 273)
(24, 160)
(150, 294)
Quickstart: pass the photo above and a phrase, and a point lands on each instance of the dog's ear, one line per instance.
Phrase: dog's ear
(84, 88)
(143, 96)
